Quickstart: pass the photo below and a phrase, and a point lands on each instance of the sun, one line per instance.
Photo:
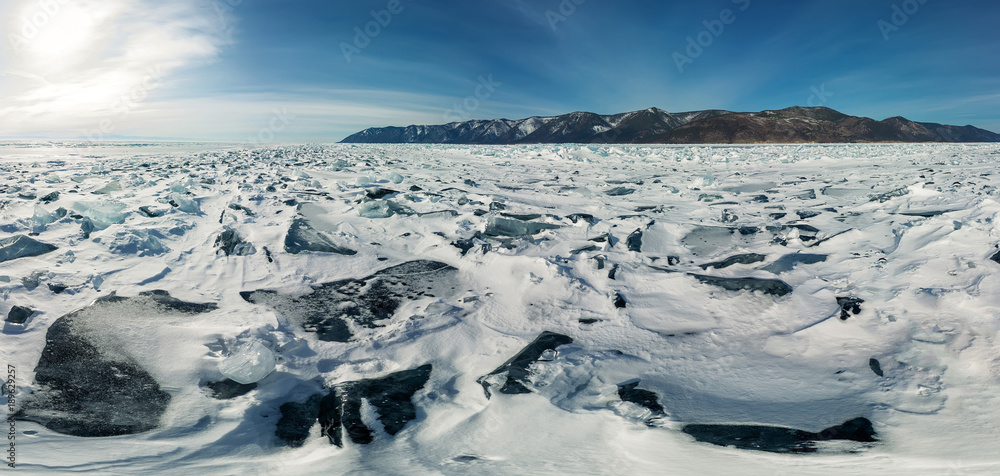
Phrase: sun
(53, 37)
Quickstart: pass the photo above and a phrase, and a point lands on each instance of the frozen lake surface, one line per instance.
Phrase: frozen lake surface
(344, 309)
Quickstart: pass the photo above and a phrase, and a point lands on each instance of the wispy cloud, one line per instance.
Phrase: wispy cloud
(71, 64)
(532, 11)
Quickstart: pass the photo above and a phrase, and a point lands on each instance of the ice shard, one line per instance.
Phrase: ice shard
(512, 374)
(21, 246)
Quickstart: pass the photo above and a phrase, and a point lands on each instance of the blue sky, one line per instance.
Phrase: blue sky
(276, 71)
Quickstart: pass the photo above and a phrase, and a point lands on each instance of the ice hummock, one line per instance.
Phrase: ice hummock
(102, 214)
(21, 246)
(139, 242)
(185, 203)
(500, 226)
(230, 243)
(512, 375)
(41, 218)
(303, 237)
(248, 363)
(382, 209)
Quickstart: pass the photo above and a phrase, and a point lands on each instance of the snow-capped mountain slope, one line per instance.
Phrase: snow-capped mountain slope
(791, 125)
(580, 127)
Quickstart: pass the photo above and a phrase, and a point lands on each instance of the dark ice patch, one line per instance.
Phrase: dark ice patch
(630, 392)
(926, 213)
(996, 257)
(303, 237)
(467, 244)
(620, 302)
(379, 193)
(238, 207)
(500, 226)
(364, 302)
(620, 191)
(767, 286)
(805, 228)
(885, 197)
(391, 396)
(19, 315)
(849, 304)
(709, 240)
(577, 217)
(57, 288)
(21, 246)
(634, 241)
(780, 440)
(165, 301)
(807, 195)
(405, 211)
(514, 372)
(876, 367)
(296, 420)
(229, 388)
(90, 390)
(788, 262)
(230, 243)
(749, 258)
(149, 213)
(523, 216)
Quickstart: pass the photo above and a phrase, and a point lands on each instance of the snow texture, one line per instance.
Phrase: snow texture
(754, 310)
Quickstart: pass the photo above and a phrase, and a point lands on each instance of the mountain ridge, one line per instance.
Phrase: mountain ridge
(655, 126)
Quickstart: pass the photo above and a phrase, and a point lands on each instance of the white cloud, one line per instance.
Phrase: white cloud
(312, 115)
(71, 66)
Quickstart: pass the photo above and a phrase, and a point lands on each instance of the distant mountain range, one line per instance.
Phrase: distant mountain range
(655, 126)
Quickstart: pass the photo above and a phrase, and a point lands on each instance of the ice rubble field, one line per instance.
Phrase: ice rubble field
(677, 295)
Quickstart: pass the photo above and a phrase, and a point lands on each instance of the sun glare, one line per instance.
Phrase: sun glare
(55, 41)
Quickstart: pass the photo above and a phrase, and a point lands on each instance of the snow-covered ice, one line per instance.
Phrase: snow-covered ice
(558, 309)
